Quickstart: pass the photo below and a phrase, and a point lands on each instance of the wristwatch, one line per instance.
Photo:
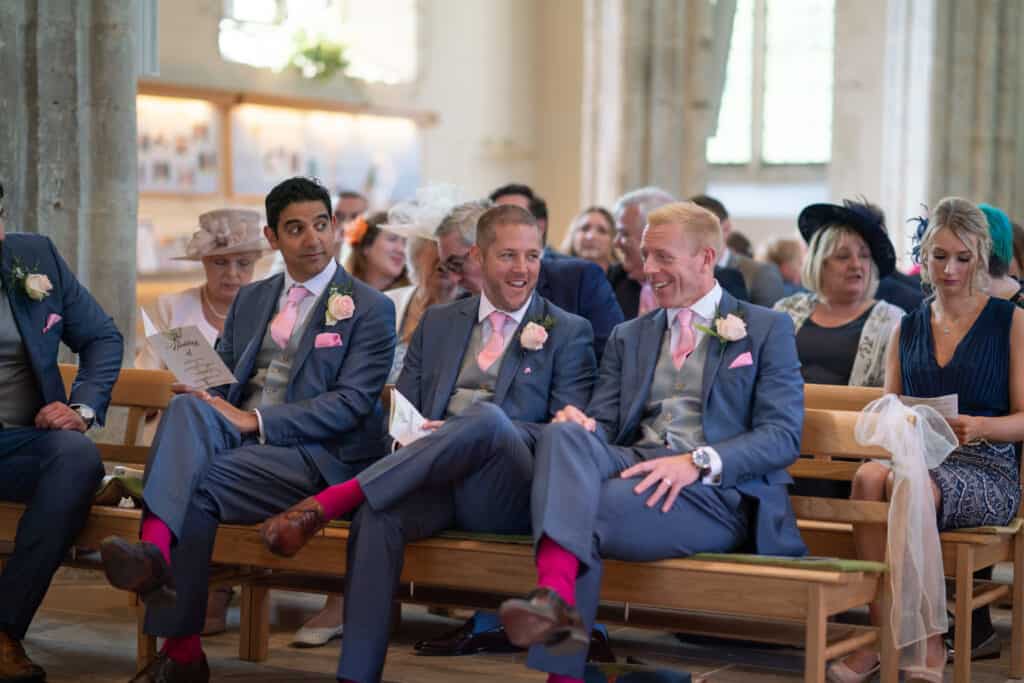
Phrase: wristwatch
(87, 414)
(702, 461)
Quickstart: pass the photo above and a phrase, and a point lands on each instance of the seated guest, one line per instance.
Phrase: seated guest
(634, 293)
(46, 461)
(591, 237)
(377, 257)
(961, 343)
(788, 256)
(738, 243)
(841, 329)
(311, 349)
(350, 206)
(485, 371)
(763, 280)
(682, 449)
(1001, 285)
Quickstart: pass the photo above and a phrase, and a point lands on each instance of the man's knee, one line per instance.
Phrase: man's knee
(76, 458)
(562, 437)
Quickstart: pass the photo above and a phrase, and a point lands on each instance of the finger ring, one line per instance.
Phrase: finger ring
(666, 481)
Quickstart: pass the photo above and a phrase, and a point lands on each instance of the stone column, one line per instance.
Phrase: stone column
(67, 115)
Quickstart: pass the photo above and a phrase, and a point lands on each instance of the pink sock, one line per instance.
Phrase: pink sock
(156, 532)
(341, 498)
(557, 569)
(184, 650)
(559, 678)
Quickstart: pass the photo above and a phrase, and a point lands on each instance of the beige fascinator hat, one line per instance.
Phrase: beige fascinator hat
(420, 217)
(225, 231)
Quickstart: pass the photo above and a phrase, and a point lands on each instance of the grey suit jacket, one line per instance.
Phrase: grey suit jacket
(764, 281)
(332, 404)
(532, 385)
(752, 414)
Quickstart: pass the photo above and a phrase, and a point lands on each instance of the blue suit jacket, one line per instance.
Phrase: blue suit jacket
(752, 415)
(84, 327)
(532, 385)
(332, 404)
(580, 287)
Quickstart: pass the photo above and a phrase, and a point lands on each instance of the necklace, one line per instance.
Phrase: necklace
(209, 304)
(948, 323)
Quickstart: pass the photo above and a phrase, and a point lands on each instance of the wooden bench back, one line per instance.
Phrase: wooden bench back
(140, 391)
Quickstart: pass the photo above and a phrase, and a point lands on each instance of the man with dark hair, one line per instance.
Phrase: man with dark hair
(46, 461)
(763, 280)
(488, 372)
(351, 205)
(523, 196)
(311, 349)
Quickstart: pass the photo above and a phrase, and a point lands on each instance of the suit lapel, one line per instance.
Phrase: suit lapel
(315, 323)
(21, 309)
(266, 304)
(648, 349)
(453, 351)
(514, 351)
(716, 349)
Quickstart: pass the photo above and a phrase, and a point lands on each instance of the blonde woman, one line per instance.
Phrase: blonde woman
(967, 343)
(592, 236)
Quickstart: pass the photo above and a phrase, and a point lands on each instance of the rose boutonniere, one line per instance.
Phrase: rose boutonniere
(727, 329)
(35, 285)
(340, 305)
(535, 333)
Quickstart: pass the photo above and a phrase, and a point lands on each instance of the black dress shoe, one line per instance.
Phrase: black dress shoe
(463, 641)
(163, 669)
(989, 648)
(544, 618)
(600, 651)
(15, 666)
(139, 568)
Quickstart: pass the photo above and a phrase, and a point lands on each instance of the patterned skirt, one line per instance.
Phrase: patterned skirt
(980, 486)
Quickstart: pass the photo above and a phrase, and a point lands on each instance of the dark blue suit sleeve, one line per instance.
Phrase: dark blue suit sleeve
(92, 334)
(226, 348)
(599, 305)
(604, 402)
(574, 369)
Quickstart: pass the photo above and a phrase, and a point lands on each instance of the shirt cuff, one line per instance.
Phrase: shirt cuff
(259, 422)
(715, 477)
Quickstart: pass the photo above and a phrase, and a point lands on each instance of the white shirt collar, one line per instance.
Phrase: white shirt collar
(486, 308)
(316, 284)
(705, 308)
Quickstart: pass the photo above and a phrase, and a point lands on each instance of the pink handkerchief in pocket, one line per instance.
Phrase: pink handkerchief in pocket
(742, 361)
(327, 340)
(51, 320)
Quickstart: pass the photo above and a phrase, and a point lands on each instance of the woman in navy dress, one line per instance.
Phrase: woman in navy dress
(960, 343)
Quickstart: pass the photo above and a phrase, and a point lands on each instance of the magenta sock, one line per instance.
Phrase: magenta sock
(156, 532)
(559, 678)
(557, 569)
(341, 498)
(184, 650)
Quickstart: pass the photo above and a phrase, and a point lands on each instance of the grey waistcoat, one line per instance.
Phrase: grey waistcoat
(474, 385)
(672, 415)
(20, 398)
(273, 368)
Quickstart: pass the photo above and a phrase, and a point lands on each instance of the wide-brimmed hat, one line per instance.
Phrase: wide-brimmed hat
(421, 216)
(867, 220)
(225, 231)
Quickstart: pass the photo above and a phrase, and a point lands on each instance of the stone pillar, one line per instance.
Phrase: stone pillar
(67, 116)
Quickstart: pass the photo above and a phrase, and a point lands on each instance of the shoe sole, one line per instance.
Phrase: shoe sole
(122, 568)
(525, 626)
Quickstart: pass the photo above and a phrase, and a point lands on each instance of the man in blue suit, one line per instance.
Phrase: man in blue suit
(46, 461)
(310, 349)
(487, 372)
(683, 448)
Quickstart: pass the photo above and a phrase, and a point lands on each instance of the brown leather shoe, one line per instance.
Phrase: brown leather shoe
(15, 666)
(163, 669)
(286, 533)
(139, 568)
(544, 618)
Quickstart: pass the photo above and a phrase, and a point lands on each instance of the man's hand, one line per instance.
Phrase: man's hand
(671, 474)
(244, 421)
(968, 428)
(179, 388)
(59, 415)
(431, 425)
(574, 414)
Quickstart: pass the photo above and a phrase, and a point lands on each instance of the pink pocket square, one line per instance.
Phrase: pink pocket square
(742, 361)
(327, 340)
(51, 320)
(527, 371)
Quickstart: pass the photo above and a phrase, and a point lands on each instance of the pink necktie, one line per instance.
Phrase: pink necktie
(495, 344)
(647, 301)
(283, 324)
(685, 340)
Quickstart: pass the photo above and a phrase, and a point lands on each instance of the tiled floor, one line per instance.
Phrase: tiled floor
(86, 633)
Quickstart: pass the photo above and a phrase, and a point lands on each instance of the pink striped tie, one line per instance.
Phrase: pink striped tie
(647, 301)
(284, 322)
(495, 344)
(685, 340)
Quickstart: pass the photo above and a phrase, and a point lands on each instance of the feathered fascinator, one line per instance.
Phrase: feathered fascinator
(919, 231)
(1001, 231)
(420, 217)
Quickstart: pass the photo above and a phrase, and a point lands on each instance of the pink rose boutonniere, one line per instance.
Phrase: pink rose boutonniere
(727, 329)
(535, 333)
(340, 305)
(35, 285)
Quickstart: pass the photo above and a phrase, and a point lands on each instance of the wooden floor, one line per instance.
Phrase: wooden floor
(86, 633)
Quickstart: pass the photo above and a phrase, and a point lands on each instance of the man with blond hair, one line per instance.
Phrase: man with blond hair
(682, 449)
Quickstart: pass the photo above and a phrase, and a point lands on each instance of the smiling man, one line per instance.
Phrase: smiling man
(682, 449)
(311, 349)
(487, 371)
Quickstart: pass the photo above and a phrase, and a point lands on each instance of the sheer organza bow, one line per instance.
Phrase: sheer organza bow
(918, 439)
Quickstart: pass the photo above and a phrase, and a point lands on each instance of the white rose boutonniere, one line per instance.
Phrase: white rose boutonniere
(340, 305)
(535, 333)
(35, 285)
(727, 328)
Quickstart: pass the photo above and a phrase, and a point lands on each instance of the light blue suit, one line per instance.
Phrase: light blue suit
(752, 416)
(63, 466)
(202, 471)
(473, 473)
